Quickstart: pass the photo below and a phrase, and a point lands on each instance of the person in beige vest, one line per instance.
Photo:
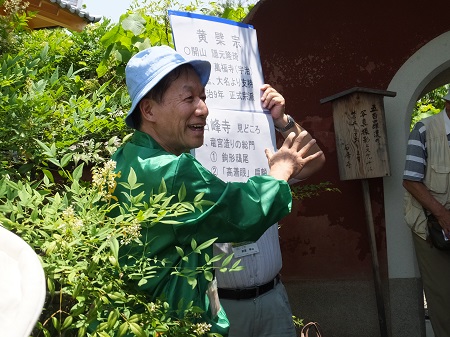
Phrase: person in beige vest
(427, 182)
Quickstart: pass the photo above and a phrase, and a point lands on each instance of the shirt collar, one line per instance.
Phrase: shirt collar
(143, 139)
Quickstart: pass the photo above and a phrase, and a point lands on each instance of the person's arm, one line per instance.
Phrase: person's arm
(421, 193)
(271, 99)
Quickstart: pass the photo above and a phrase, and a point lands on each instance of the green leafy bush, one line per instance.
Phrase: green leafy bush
(60, 123)
(429, 104)
(38, 102)
(89, 293)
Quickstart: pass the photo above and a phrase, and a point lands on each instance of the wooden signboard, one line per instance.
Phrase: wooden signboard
(360, 130)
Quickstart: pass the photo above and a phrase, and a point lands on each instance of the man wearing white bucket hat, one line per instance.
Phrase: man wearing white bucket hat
(427, 182)
(168, 114)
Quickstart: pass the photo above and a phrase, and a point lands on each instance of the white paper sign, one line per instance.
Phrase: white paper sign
(234, 144)
(238, 129)
(232, 49)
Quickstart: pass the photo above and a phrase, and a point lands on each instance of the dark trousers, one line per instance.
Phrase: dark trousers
(434, 266)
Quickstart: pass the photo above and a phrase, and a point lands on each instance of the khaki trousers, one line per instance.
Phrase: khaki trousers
(434, 266)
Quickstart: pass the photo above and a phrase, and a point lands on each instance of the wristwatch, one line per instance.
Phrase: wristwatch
(290, 124)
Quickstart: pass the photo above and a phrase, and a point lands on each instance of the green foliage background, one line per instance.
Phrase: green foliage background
(62, 102)
(429, 104)
(62, 105)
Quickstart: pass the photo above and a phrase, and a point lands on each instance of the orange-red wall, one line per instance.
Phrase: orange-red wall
(311, 50)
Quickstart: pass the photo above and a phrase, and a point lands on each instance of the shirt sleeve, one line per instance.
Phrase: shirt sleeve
(241, 211)
(416, 154)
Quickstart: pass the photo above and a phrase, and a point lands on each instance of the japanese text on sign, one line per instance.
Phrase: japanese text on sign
(236, 75)
(361, 136)
(234, 145)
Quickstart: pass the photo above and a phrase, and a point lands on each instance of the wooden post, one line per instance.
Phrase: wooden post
(361, 142)
(375, 265)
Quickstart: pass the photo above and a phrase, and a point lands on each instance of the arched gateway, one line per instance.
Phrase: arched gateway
(311, 50)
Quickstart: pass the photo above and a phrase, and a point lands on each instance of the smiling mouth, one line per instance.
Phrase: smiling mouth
(197, 127)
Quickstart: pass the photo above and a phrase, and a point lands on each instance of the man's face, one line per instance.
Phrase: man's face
(180, 119)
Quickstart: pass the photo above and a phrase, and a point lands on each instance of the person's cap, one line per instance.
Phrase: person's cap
(145, 69)
(447, 97)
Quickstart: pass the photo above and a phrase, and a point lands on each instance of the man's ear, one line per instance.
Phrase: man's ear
(146, 106)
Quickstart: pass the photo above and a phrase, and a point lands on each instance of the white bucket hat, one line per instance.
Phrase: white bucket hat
(145, 69)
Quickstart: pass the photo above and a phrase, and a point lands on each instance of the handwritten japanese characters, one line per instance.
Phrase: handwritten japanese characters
(361, 136)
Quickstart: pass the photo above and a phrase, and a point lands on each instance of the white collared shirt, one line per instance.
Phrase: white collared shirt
(259, 268)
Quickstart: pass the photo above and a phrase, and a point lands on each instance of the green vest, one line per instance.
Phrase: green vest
(241, 212)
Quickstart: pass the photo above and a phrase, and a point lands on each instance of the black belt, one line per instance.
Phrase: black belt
(248, 293)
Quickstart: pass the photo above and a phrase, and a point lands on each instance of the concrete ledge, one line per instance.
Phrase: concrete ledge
(343, 307)
(348, 307)
(407, 310)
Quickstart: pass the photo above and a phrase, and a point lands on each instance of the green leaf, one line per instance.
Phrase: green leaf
(34, 215)
(51, 286)
(179, 251)
(82, 331)
(142, 282)
(110, 37)
(227, 260)
(216, 258)
(113, 260)
(54, 76)
(48, 175)
(66, 159)
(70, 71)
(78, 172)
(206, 244)
(54, 161)
(102, 326)
(182, 193)
(134, 23)
(55, 323)
(236, 264)
(123, 328)
(193, 244)
(192, 282)
(208, 275)
(67, 322)
(112, 318)
(199, 197)
(114, 245)
(102, 68)
(162, 187)
(76, 291)
(137, 330)
(44, 51)
(170, 222)
(132, 178)
(47, 150)
(123, 55)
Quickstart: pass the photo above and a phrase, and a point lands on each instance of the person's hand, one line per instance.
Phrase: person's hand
(444, 220)
(423, 195)
(290, 159)
(273, 101)
(302, 147)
